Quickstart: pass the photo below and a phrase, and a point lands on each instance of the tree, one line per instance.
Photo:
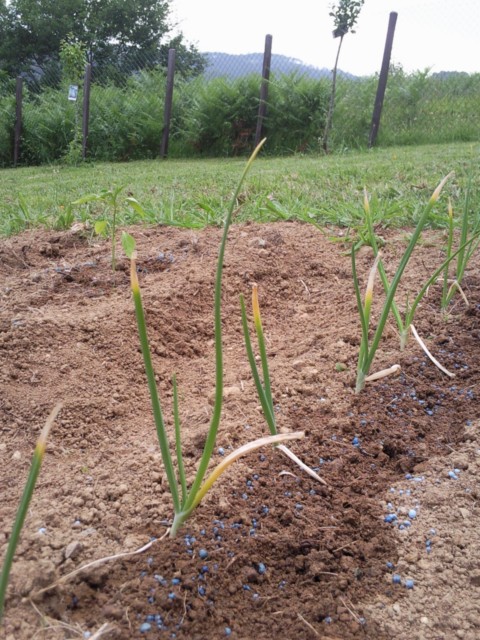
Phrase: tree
(72, 60)
(31, 32)
(345, 15)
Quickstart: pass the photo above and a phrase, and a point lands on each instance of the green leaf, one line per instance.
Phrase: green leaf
(101, 227)
(128, 244)
(114, 192)
(22, 203)
(89, 197)
(137, 207)
(276, 208)
(212, 215)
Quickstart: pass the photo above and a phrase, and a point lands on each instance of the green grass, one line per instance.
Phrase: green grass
(322, 189)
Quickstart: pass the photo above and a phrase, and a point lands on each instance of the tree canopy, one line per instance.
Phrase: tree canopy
(112, 31)
(345, 15)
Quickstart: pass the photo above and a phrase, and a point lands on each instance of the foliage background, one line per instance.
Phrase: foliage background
(216, 96)
(217, 116)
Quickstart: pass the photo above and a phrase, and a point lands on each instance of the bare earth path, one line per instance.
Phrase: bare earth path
(281, 555)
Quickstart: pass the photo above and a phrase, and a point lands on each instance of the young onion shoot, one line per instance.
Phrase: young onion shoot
(25, 502)
(464, 252)
(185, 498)
(368, 349)
(469, 241)
(264, 389)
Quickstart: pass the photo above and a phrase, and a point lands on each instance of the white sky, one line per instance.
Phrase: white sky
(441, 34)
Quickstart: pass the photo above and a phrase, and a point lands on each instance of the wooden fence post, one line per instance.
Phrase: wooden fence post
(86, 108)
(18, 120)
(382, 81)
(167, 113)
(262, 108)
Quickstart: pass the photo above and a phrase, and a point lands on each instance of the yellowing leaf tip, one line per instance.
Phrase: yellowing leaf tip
(255, 304)
(366, 202)
(133, 273)
(438, 190)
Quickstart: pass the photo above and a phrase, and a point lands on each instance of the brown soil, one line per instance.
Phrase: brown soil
(68, 333)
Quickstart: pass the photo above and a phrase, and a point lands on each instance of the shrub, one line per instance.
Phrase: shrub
(48, 126)
(296, 114)
(223, 118)
(218, 117)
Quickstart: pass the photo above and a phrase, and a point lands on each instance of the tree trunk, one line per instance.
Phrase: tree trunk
(331, 106)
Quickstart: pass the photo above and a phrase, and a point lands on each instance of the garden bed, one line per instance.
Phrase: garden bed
(267, 554)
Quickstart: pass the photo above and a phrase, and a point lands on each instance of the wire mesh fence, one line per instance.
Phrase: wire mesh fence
(215, 108)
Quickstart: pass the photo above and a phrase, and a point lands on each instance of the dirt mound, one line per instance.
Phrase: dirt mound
(268, 554)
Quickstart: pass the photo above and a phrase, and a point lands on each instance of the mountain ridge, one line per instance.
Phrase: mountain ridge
(233, 65)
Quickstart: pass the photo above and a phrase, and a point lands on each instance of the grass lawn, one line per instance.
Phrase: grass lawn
(323, 189)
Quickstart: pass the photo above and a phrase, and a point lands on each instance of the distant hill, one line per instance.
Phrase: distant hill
(234, 66)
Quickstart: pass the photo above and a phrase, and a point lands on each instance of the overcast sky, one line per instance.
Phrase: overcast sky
(440, 34)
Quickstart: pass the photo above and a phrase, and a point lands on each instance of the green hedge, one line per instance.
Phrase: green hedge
(218, 117)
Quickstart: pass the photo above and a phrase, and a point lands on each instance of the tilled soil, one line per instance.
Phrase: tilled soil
(270, 553)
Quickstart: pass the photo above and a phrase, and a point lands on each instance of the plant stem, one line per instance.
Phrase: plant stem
(257, 319)
(178, 442)
(399, 273)
(217, 407)
(331, 104)
(370, 352)
(24, 504)
(381, 270)
(461, 261)
(152, 386)
(360, 382)
(449, 253)
(363, 352)
(114, 229)
(267, 407)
